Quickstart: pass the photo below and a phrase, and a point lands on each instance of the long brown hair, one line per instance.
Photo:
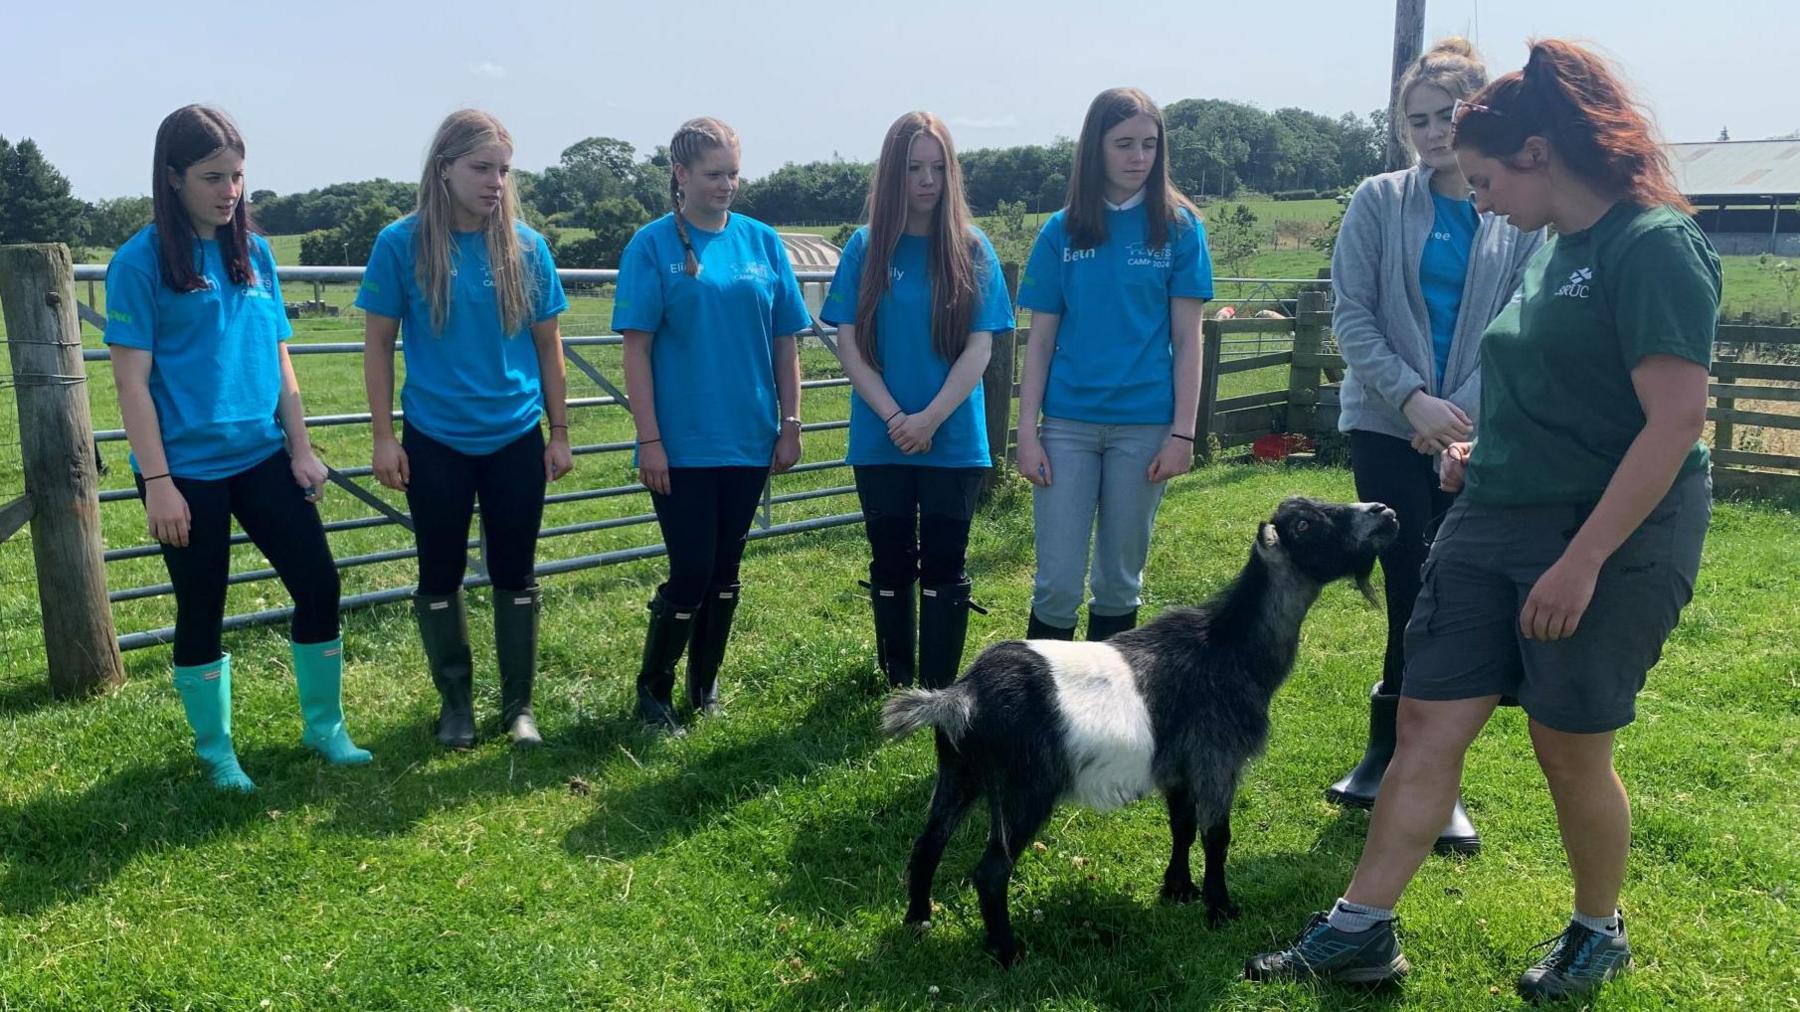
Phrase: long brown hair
(514, 274)
(693, 140)
(1575, 100)
(951, 260)
(1086, 214)
(190, 134)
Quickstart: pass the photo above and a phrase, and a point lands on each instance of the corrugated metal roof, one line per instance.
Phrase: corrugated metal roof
(1737, 168)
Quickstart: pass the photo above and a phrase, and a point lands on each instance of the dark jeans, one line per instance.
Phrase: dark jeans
(917, 519)
(274, 513)
(704, 519)
(1389, 470)
(442, 495)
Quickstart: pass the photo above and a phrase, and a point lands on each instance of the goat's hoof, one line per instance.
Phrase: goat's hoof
(1180, 892)
(1008, 957)
(1221, 913)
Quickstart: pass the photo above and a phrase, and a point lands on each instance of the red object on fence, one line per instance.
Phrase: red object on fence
(1277, 445)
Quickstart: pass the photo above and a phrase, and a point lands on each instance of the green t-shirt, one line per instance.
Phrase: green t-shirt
(1558, 410)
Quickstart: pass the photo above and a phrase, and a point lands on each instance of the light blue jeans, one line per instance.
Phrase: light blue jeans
(1097, 473)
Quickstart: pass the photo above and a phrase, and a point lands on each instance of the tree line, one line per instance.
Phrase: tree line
(605, 188)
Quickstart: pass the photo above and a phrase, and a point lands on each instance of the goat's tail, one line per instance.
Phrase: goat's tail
(949, 710)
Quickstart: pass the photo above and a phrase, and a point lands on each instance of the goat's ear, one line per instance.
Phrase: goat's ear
(1267, 537)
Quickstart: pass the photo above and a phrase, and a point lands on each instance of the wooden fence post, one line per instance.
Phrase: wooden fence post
(56, 437)
(1211, 346)
(1304, 374)
(996, 387)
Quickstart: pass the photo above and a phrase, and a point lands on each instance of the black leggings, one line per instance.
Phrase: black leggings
(1390, 471)
(274, 513)
(704, 519)
(917, 519)
(442, 493)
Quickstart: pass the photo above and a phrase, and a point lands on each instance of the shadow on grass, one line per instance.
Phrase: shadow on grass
(1110, 948)
(25, 694)
(839, 724)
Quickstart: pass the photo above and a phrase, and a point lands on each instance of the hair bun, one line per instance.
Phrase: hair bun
(1455, 45)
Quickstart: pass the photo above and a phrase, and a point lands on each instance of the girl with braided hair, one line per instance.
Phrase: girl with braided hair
(708, 304)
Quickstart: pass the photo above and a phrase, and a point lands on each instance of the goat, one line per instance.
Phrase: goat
(1179, 705)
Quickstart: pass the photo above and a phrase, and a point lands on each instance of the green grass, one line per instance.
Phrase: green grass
(759, 862)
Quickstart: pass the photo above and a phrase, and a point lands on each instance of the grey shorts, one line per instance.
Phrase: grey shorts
(1464, 640)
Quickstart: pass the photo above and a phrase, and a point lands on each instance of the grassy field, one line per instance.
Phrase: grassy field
(759, 862)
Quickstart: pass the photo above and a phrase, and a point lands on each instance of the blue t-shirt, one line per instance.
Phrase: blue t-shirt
(215, 376)
(712, 335)
(1442, 269)
(912, 370)
(471, 387)
(1113, 363)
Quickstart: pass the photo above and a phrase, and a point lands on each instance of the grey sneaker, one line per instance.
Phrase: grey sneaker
(1580, 960)
(1325, 953)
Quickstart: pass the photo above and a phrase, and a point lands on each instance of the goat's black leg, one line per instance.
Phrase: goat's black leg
(956, 789)
(1016, 820)
(1178, 880)
(1215, 842)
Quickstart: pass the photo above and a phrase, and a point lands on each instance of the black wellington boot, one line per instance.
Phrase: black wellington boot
(1358, 787)
(896, 625)
(444, 629)
(1102, 627)
(515, 651)
(943, 629)
(665, 640)
(706, 653)
(1038, 629)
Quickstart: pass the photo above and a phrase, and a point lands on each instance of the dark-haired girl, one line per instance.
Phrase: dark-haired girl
(1115, 284)
(917, 298)
(708, 305)
(196, 326)
(1575, 544)
(476, 293)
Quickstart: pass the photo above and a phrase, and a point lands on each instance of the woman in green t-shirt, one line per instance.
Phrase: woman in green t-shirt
(1567, 560)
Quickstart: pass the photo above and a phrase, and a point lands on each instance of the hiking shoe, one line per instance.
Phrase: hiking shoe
(1580, 961)
(1323, 952)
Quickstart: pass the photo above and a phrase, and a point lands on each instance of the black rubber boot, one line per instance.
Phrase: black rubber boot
(515, 650)
(664, 641)
(1038, 629)
(1102, 627)
(943, 629)
(896, 631)
(1358, 788)
(444, 629)
(712, 630)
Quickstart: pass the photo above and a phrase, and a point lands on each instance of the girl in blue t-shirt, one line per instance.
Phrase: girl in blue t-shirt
(1116, 282)
(708, 305)
(1418, 275)
(196, 326)
(476, 293)
(917, 297)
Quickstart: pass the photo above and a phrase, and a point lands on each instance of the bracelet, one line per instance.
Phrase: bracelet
(897, 413)
(647, 442)
(153, 477)
(554, 427)
(1178, 435)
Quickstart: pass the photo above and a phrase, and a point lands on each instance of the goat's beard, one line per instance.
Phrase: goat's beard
(1362, 582)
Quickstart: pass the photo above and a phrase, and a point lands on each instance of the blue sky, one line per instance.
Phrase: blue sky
(332, 90)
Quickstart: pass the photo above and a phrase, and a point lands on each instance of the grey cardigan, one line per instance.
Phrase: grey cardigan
(1383, 330)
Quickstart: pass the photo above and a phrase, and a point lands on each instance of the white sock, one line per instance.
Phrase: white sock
(1355, 918)
(1611, 926)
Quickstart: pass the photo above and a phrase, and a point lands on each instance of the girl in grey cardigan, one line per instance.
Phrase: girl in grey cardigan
(1418, 275)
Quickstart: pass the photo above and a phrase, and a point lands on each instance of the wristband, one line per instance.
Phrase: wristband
(897, 413)
(153, 477)
(554, 427)
(647, 442)
(1178, 435)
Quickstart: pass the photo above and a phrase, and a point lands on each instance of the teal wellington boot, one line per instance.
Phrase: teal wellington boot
(206, 696)
(319, 675)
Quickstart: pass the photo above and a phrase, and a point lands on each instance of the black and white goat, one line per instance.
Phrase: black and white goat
(1180, 705)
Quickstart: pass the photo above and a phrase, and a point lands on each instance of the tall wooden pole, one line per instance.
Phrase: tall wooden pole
(56, 437)
(1409, 42)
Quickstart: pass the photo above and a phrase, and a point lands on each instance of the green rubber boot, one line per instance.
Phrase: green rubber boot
(319, 675)
(206, 697)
